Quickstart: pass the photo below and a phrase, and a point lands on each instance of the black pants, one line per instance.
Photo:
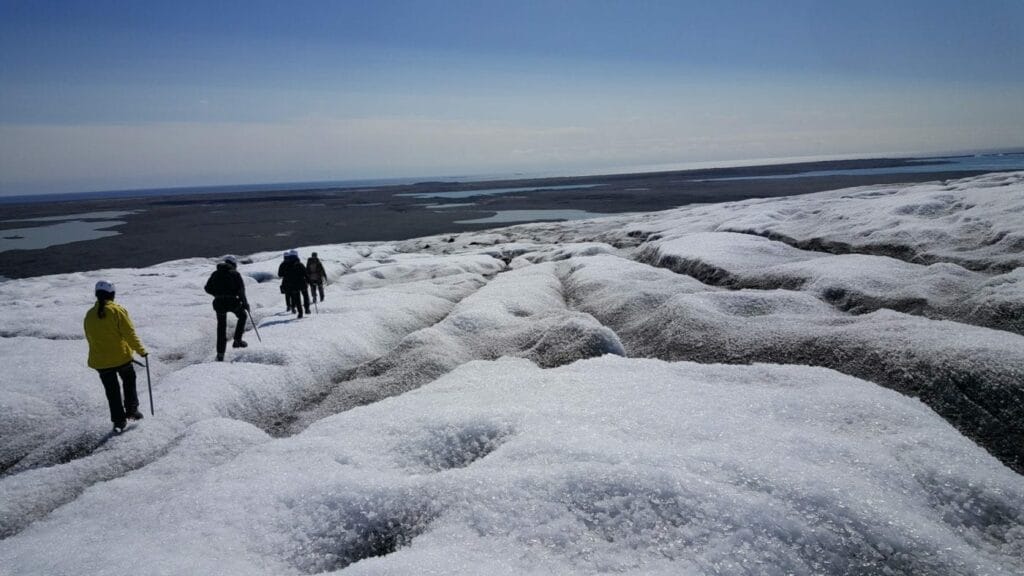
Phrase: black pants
(222, 327)
(113, 389)
(314, 286)
(299, 299)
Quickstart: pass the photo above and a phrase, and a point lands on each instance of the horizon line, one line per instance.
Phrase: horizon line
(348, 183)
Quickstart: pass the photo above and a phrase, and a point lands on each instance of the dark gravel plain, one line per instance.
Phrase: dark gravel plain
(212, 224)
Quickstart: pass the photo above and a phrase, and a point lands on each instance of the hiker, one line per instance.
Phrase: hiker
(111, 337)
(293, 282)
(228, 291)
(285, 262)
(316, 275)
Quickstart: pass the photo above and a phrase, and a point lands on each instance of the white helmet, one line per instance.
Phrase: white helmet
(104, 286)
(231, 260)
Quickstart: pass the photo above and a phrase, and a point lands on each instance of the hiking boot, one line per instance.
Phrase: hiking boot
(135, 415)
(220, 357)
(120, 426)
(239, 344)
(307, 310)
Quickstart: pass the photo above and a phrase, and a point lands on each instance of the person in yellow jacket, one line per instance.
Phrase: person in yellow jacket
(112, 338)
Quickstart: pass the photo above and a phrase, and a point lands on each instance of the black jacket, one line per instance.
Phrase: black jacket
(227, 288)
(293, 275)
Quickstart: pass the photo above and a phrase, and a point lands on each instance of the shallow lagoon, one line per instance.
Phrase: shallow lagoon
(494, 191)
(68, 228)
(505, 216)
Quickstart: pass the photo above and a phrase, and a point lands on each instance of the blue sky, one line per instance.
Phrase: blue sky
(109, 95)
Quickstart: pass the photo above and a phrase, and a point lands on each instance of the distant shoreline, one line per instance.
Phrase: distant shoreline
(162, 227)
(777, 169)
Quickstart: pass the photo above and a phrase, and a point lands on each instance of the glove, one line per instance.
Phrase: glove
(246, 306)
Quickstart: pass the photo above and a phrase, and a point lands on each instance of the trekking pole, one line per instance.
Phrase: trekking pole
(254, 328)
(149, 382)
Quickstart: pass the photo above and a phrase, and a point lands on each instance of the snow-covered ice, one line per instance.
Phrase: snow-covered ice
(830, 383)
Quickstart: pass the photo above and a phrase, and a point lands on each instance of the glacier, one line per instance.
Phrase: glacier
(829, 383)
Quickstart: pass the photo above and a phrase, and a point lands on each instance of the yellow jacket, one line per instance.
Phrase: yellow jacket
(111, 338)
